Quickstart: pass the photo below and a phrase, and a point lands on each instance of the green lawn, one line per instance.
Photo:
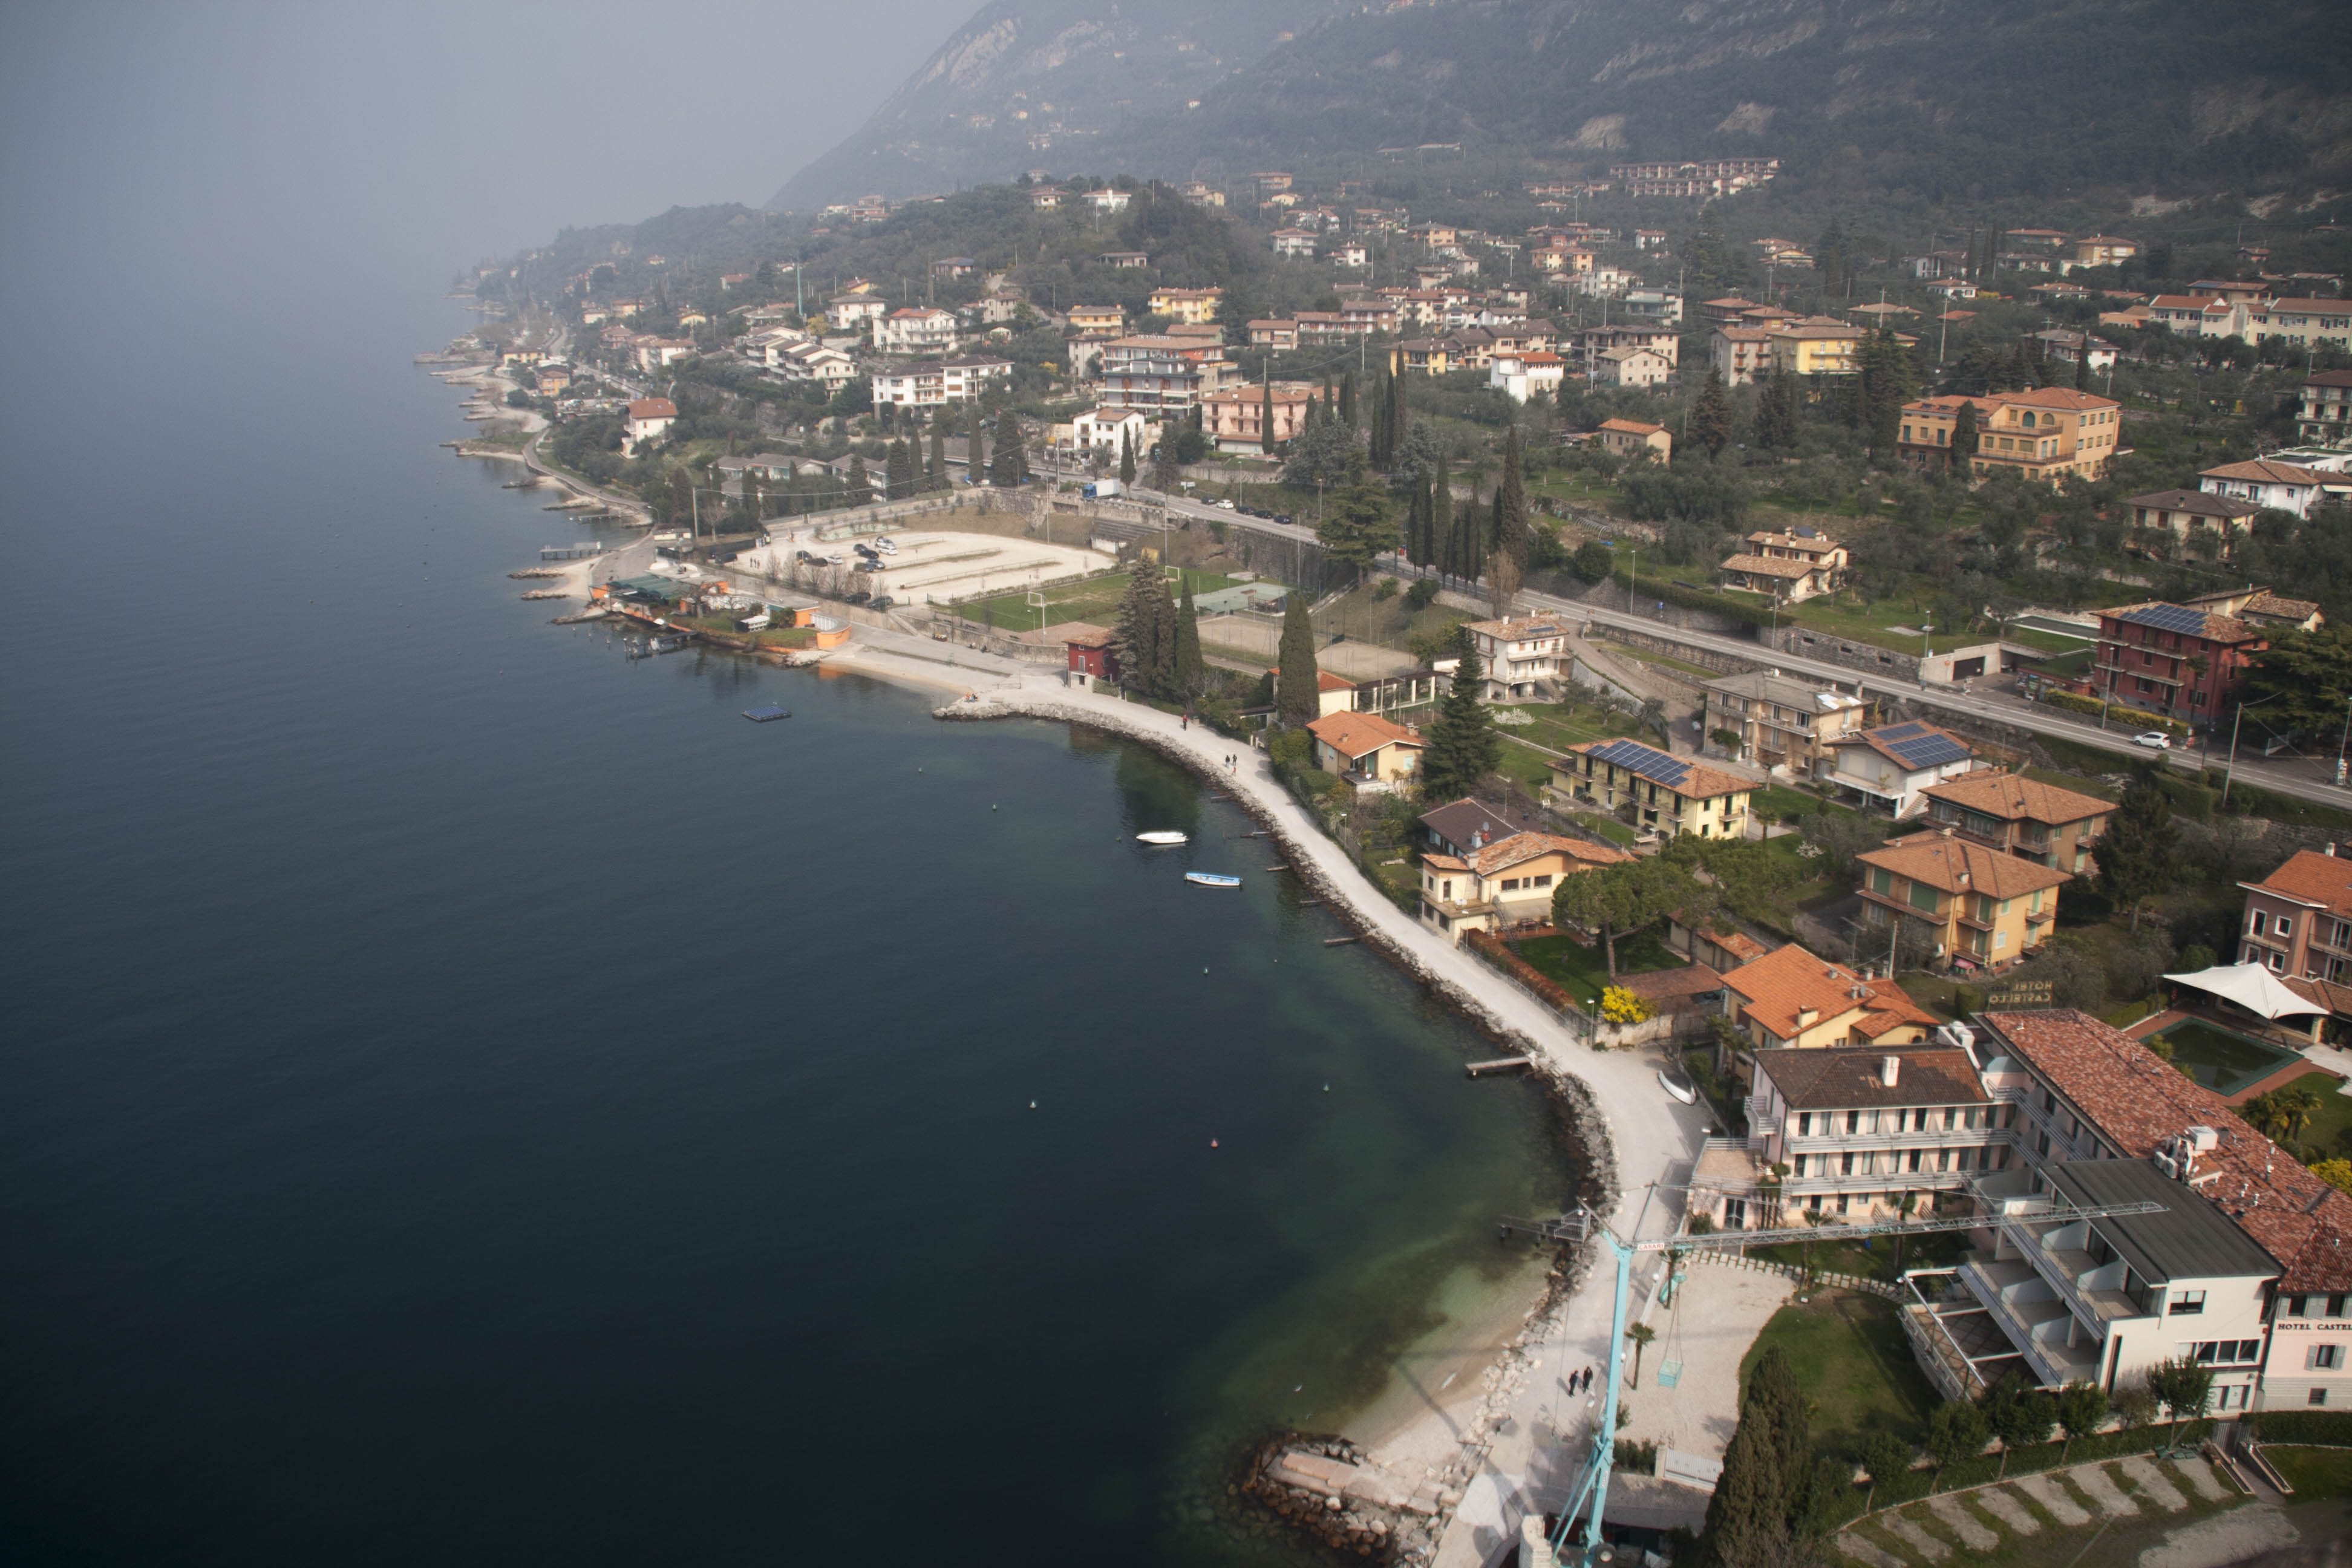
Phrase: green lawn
(1561, 725)
(2222, 1062)
(1778, 803)
(2330, 1132)
(1095, 601)
(1851, 1359)
(1585, 970)
(2313, 1473)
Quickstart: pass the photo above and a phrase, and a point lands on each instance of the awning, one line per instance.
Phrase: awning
(2250, 987)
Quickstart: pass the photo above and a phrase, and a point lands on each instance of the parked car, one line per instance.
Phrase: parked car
(881, 602)
(1226, 504)
(887, 546)
(804, 555)
(2153, 740)
(859, 598)
(835, 559)
(1282, 517)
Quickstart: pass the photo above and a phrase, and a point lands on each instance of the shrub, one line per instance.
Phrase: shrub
(1620, 1005)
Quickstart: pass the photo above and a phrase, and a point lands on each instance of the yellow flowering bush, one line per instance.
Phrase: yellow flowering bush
(1619, 1005)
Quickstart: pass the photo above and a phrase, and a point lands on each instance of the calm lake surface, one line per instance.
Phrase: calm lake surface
(470, 1097)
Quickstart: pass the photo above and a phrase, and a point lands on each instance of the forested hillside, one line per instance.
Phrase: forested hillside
(1948, 98)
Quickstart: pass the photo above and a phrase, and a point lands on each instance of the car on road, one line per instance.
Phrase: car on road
(859, 598)
(1225, 505)
(835, 560)
(804, 555)
(2153, 740)
(1283, 518)
(881, 602)
(887, 546)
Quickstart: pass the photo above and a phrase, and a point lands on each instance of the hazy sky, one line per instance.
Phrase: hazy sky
(387, 142)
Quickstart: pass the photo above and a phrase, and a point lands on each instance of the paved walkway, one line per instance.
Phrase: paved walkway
(1531, 1446)
(1992, 1518)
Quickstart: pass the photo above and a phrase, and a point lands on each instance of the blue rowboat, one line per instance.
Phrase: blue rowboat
(1210, 880)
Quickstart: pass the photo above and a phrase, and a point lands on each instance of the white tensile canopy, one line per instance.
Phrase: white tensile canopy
(2250, 987)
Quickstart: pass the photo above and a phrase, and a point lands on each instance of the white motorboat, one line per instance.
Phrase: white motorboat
(1164, 836)
(1210, 880)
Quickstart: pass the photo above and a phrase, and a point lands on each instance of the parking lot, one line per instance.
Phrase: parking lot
(941, 566)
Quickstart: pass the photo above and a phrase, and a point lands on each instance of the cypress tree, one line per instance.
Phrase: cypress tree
(2136, 853)
(1441, 519)
(859, 491)
(939, 474)
(1265, 419)
(1134, 633)
(1010, 464)
(1757, 1513)
(1348, 399)
(894, 471)
(1461, 747)
(1126, 458)
(1711, 415)
(1511, 503)
(2082, 365)
(1163, 650)
(1470, 529)
(1187, 660)
(1299, 696)
(1400, 417)
(976, 447)
(1964, 436)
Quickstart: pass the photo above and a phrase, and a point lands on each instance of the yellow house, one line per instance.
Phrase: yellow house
(1816, 345)
(1635, 438)
(1790, 1000)
(2041, 434)
(1505, 883)
(1976, 907)
(1368, 750)
(1193, 307)
(1109, 318)
(1663, 794)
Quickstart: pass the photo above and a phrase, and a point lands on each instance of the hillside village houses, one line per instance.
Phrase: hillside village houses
(1663, 794)
(1791, 567)
(915, 332)
(931, 384)
(1372, 753)
(2042, 435)
(2280, 486)
(2203, 526)
(1887, 768)
(1234, 419)
(1192, 306)
(1789, 1000)
(1520, 376)
(1974, 907)
(1781, 723)
(1520, 656)
(2324, 418)
(651, 417)
(2298, 919)
(1496, 884)
(1635, 438)
(2186, 662)
(1630, 367)
(1741, 354)
(2022, 817)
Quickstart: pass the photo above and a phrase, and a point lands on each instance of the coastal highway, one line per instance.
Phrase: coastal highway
(2300, 778)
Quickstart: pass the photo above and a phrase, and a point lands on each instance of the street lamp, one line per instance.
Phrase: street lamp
(2229, 773)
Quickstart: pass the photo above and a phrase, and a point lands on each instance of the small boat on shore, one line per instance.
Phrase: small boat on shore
(768, 715)
(1210, 880)
(1163, 837)
(670, 644)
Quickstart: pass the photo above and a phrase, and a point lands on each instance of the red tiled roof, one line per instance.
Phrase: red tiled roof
(2014, 797)
(1782, 983)
(1504, 853)
(2137, 1101)
(1953, 864)
(2310, 877)
(1354, 735)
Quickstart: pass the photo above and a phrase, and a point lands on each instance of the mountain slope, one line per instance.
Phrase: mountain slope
(1044, 83)
(1950, 98)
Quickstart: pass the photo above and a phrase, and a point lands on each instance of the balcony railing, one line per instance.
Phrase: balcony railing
(2051, 1361)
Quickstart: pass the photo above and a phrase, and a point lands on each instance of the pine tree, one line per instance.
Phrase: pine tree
(1462, 746)
(2136, 852)
(1298, 693)
(1265, 419)
(1126, 458)
(1188, 666)
(1710, 424)
(1442, 543)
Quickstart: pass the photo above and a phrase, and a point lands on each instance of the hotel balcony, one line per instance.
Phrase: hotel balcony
(2035, 1320)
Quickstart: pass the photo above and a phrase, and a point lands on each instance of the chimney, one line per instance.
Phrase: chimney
(1889, 1069)
(1947, 833)
(1808, 1017)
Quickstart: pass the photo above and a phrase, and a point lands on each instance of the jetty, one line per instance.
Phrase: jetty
(1499, 1064)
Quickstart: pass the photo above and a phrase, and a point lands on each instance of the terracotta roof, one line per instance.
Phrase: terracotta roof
(2216, 629)
(1631, 427)
(1459, 822)
(1852, 1077)
(2337, 999)
(2195, 502)
(2137, 1101)
(1699, 782)
(1515, 627)
(1327, 682)
(2310, 877)
(1084, 635)
(1778, 986)
(2014, 797)
(653, 408)
(1941, 862)
(2064, 398)
(2329, 378)
(1504, 853)
(1772, 566)
(2270, 605)
(1354, 735)
(1671, 986)
(2264, 473)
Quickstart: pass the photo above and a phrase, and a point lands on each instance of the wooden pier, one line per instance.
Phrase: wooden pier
(1339, 941)
(1500, 1064)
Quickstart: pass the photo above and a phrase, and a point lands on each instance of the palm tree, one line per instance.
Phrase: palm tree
(1641, 1334)
(2295, 1106)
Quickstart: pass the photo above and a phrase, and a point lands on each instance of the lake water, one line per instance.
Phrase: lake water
(470, 1097)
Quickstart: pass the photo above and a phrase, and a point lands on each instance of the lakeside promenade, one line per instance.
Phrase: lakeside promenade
(1526, 1435)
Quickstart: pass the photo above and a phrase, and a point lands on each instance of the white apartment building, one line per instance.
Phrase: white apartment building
(910, 332)
(932, 383)
(1520, 655)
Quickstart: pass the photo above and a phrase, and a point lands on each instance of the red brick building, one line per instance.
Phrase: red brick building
(2185, 664)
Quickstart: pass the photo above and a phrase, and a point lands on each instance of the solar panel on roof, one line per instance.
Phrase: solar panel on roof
(1639, 759)
(1900, 732)
(1929, 751)
(2168, 618)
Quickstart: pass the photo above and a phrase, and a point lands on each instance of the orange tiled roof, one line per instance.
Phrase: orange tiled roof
(2322, 881)
(2138, 1100)
(1631, 427)
(1942, 862)
(2014, 797)
(1504, 853)
(1354, 735)
(1784, 983)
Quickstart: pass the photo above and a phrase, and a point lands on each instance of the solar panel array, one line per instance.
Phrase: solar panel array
(1919, 746)
(2169, 619)
(1639, 759)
